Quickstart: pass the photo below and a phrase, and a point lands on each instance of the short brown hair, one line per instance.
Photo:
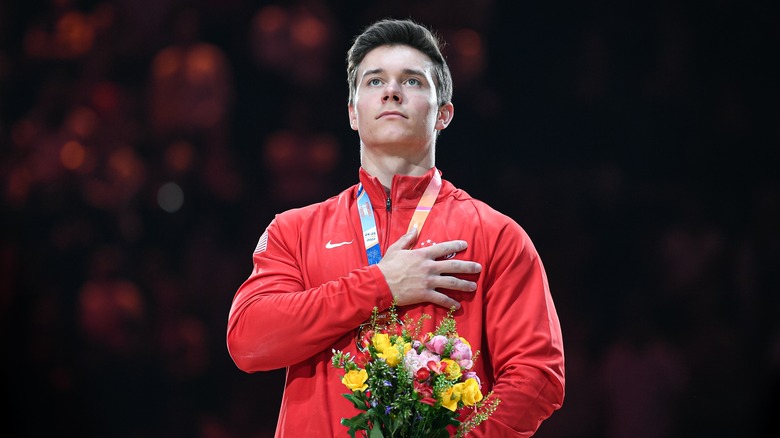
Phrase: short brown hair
(390, 32)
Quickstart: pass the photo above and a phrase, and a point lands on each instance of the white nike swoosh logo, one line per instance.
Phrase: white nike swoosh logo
(336, 245)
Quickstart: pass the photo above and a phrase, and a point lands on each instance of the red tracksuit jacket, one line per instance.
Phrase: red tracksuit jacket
(310, 289)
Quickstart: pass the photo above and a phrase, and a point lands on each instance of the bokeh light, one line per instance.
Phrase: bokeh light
(72, 155)
(170, 197)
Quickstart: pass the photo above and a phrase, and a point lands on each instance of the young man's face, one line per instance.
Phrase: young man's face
(395, 104)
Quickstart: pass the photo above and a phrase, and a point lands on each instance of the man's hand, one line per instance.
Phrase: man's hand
(413, 275)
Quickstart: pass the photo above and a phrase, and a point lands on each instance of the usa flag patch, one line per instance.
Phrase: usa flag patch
(262, 244)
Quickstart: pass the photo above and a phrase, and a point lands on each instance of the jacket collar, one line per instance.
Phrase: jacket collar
(406, 190)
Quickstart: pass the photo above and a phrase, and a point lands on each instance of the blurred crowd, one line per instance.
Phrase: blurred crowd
(145, 145)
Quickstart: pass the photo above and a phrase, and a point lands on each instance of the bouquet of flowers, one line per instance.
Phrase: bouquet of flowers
(409, 384)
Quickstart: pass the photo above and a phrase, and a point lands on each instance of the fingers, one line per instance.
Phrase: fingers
(416, 276)
(445, 248)
(404, 242)
(440, 299)
(452, 283)
(409, 296)
(457, 267)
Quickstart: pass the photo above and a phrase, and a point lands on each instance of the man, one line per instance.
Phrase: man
(320, 270)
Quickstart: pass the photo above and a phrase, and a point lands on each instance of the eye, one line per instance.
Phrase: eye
(374, 82)
(413, 82)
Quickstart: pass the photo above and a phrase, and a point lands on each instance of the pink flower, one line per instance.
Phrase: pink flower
(437, 344)
(461, 353)
(414, 361)
(465, 364)
(426, 356)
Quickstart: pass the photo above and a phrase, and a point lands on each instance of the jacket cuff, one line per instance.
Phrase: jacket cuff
(384, 296)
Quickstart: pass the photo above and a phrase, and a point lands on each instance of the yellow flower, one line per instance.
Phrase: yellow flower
(391, 355)
(407, 347)
(453, 369)
(462, 339)
(450, 397)
(355, 380)
(469, 392)
(381, 342)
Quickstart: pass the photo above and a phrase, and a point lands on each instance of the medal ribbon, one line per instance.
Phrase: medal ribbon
(367, 221)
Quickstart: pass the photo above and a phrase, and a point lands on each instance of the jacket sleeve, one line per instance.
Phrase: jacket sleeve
(274, 322)
(523, 338)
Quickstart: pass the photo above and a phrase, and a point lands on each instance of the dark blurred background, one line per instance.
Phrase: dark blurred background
(145, 145)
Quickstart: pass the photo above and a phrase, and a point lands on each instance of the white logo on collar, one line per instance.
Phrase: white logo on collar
(330, 245)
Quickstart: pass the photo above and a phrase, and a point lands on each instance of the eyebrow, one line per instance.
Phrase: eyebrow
(406, 71)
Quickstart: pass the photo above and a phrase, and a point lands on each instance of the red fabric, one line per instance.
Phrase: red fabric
(302, 300)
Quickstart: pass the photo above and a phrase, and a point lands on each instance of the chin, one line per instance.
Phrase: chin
(396, 137)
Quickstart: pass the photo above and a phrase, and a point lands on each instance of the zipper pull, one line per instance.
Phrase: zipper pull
(388, 205)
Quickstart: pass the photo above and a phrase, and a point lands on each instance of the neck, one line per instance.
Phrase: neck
(384, 167)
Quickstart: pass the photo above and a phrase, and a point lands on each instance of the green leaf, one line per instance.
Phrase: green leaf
(396, 423)
(358, 422)
(357, 398)
(376, 432)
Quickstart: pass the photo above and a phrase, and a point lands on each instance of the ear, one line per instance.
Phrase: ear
(353, 122)
(444, 116)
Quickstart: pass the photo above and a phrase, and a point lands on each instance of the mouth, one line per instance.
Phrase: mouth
(391, 114)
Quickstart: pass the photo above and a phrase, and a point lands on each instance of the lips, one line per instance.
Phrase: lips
(391, 113)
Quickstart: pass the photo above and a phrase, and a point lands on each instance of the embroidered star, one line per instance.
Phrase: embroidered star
(428, 242)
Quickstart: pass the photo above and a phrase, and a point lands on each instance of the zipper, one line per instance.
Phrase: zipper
(388, 227)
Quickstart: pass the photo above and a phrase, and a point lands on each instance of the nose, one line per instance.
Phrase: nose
(392, 91)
